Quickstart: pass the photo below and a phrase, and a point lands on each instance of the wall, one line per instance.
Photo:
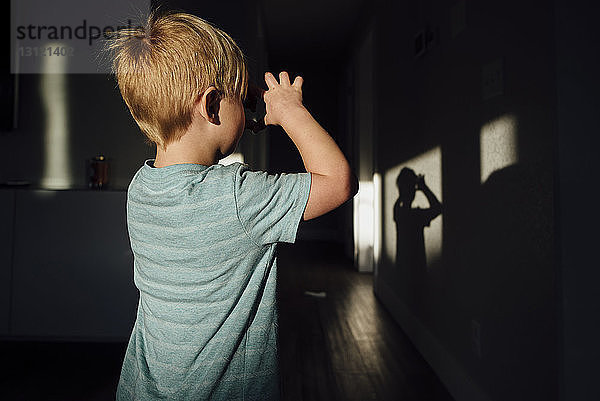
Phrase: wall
(578, 63)
(95, 120)
(480, 300)
(357, 102)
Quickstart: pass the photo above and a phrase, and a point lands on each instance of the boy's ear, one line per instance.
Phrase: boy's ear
(209, 104)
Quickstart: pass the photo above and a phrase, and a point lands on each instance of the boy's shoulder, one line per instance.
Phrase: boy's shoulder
(237, 173)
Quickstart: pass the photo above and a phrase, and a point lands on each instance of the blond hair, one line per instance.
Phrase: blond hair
(163, 66)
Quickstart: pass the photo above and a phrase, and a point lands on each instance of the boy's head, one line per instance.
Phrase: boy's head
(165, 66)
(406, 182)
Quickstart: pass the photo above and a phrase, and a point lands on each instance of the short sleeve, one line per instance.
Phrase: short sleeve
(270, 206)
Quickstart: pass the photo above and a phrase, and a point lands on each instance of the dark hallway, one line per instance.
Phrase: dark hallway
(462, 269)
(344, 345)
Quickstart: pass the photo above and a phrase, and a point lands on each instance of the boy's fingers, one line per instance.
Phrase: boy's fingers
(270, 80)
(298, 82)
(284, 78)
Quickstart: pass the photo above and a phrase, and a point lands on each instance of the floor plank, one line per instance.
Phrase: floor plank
(362, 353)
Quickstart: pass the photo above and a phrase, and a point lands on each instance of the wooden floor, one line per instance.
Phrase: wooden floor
(344, 346)
(341, 347)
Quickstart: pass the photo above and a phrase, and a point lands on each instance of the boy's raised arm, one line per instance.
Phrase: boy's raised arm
(333, 181)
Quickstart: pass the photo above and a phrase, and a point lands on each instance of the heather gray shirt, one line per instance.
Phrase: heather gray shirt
(204, 241)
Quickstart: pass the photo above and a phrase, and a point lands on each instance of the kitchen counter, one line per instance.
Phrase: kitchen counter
(66, 267)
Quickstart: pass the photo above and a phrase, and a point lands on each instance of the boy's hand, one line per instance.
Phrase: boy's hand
(282, 98)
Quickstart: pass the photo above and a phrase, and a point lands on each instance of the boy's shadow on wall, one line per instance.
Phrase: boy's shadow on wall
(410, 222)
(501, 276)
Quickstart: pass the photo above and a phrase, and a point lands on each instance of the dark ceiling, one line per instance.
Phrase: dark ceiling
(300, 31)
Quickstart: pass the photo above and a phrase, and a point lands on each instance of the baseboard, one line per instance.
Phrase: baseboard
(458, 382)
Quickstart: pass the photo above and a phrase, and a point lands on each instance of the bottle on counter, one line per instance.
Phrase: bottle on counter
(98, 172)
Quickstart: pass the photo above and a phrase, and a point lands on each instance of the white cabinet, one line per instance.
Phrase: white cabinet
(7, 203)
(72, 267)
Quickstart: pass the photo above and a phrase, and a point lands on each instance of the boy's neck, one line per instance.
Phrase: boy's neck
(163, 160)
(186, 152)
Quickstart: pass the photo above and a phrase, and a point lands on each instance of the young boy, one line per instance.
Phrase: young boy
(204, 235)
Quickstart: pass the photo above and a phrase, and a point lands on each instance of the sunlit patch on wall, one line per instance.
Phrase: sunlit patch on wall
(232, 158)
(428, 164)
(376, 220)
(363, 226)
(498, 145)
(53, 87)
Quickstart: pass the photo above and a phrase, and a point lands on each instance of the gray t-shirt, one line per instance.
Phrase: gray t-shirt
(204, 241)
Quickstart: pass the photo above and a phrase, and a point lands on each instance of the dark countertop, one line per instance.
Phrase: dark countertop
(34, 187)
